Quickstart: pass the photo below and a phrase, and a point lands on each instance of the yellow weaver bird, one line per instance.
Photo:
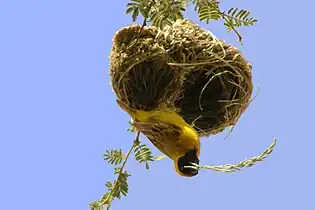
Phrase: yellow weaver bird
(170, 134)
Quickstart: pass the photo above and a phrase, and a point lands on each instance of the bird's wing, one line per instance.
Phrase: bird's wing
(162, 135)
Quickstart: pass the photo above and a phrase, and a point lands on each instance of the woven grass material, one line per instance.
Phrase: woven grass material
(183, 68)
(140, 74)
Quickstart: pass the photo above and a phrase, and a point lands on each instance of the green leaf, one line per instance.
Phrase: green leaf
(121, 188)
(135, 14)
(114, 157)
(133, 7)
(95, 205)
(109, 185)
(117, 170)
(238, 18)
(143, 155)
(164, 13)
(204, 3)
(233, 11)
(207, 13)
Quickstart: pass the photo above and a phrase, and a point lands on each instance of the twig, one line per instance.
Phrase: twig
(225, 17)
(109, 196)
(141, 29)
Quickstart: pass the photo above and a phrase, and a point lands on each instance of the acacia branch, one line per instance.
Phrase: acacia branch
(113, 189)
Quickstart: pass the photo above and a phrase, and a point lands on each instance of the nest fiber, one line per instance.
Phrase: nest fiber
(141, 76)
(184, 68)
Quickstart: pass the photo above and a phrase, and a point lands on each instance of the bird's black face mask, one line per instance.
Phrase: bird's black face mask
(186, 160)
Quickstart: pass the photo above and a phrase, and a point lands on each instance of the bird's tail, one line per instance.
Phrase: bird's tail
(137, 115)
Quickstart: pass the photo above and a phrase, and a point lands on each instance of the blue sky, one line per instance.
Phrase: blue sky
(58, 113)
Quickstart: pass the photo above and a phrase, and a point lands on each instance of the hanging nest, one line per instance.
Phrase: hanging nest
(184, 68)
(141, 76)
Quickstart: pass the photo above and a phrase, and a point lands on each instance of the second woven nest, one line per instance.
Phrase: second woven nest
(184, 68)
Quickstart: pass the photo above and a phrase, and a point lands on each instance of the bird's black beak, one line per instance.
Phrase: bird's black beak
(187, 160)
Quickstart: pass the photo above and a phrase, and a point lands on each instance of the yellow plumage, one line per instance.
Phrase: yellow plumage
(170, 134)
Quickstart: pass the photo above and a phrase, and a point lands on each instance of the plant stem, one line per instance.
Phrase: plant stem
(109, 196)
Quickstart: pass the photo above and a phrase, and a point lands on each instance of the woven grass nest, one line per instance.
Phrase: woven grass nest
(184, 68)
